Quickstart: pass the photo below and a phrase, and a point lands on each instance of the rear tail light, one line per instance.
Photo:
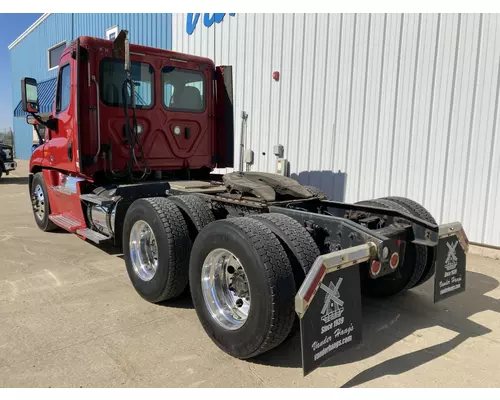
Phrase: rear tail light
(375, 267)
(394, 261)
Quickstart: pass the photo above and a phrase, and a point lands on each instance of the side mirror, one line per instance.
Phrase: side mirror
(29, 95)
(31, 120)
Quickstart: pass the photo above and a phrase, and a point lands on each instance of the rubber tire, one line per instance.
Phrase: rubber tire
(316, 192)
(196, 212)
(45, 224)
(174, 247)
(272, 286)
(408, 273)
(420, 212)
(299, 245)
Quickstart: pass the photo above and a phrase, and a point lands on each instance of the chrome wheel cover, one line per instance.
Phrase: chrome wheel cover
(38, 200)
(143, 250)
(225, 288)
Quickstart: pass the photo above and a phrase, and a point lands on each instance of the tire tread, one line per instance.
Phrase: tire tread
(199, 210)
(178, 238)
(419, 211)
(280, 280)
(304, 248)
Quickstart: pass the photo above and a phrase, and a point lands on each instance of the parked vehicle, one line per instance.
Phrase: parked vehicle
(7, 162)
(129, 155)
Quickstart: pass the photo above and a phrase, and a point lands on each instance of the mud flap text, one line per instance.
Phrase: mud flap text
(333, 320)
(450, 269)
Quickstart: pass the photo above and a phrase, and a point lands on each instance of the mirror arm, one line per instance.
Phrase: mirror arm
(40, 139)
(50, 123)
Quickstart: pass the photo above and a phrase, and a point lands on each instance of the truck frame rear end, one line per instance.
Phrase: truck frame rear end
(256, 249)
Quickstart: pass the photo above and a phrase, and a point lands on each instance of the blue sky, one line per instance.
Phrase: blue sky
(11, 26)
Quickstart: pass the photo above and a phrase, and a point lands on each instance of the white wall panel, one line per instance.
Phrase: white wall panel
(371, 105)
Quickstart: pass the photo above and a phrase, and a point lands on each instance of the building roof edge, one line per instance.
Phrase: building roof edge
(29, 30)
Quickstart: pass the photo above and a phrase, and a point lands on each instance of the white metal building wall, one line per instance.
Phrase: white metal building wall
(398, 104)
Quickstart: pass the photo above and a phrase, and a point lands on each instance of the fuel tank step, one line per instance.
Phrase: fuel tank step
(65, 222)
(95, 199)
(91, 235)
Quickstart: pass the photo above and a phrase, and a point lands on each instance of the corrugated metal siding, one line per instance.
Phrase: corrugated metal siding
(371, 105)
(146, 29)
(29, 56)
(23, 139)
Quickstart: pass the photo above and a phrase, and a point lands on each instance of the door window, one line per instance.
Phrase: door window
(63, 89)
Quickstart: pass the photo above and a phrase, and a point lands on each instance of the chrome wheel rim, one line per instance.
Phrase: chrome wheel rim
(225, 288)
(143, 250)
(39, 202)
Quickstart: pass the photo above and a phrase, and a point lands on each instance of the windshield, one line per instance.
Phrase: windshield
(113, 76)
(183, 89)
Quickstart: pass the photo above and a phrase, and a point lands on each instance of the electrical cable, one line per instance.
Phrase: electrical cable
(132, 137)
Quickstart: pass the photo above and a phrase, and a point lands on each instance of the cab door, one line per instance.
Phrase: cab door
(61, 146)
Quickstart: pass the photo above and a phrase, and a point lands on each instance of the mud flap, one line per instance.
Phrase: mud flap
(329, 306)
(450, 274)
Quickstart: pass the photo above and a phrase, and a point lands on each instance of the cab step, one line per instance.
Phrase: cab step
(65, 222)
(91, 235)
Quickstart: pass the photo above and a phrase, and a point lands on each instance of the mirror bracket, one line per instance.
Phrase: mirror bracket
(51, 123)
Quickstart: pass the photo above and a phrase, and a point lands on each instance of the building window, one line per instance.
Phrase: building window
(112, 33)
(54, 54)
(183, 89)
(63, 88)
(112, 80)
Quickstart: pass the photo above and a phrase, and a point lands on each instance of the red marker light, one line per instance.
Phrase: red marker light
(375, 267)
(394, 261)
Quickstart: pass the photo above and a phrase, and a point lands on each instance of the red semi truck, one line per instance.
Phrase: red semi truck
(128, 158)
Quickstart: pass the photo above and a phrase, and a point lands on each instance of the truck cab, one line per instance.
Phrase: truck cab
(100, 132)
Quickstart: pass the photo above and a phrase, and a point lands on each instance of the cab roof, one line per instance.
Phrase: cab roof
(93, 42)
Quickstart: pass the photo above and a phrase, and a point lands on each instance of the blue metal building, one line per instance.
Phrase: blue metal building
(330, 86)
(36, 54)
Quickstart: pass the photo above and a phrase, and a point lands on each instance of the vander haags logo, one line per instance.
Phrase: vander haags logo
(334, 306)
(451, 261)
